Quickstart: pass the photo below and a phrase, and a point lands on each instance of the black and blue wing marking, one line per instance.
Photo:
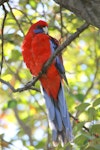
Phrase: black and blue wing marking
(59, 63)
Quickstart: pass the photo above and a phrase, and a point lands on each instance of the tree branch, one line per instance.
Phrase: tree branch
(26, 87)
(49, 62)
(2, 37)
(58, 51)
(61, 21)
(3, 1)
(89, 10)
(84, 127)
(64, 45)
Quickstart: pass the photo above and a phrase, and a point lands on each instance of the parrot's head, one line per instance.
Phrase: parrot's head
(39, 27)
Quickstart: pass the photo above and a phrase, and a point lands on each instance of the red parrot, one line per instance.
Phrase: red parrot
(37, 48)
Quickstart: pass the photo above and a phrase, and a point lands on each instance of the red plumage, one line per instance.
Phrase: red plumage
(36, 51)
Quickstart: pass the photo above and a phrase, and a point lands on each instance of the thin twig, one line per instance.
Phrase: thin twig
(84, 127)
(4, 143)
(19, 89)
(2, 37)
(95, 75)
(26, 16)
(77, 121)
(39, 105)
(25, 127)
(61, 21)
(15, 18)
(44, 14)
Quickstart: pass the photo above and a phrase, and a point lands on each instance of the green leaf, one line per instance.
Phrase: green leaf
(12, 103)
(79, 126)
(82, 106)
(15, 55)
(90, 148)
(33, 3)
(31, 148)
(96, 102)
(95, 128)
(80, 97)
(97, 147)
(91, 113)
(81, 139)
(40, 144)
(94, 144)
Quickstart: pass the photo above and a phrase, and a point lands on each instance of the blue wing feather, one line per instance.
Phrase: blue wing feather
(58, 63)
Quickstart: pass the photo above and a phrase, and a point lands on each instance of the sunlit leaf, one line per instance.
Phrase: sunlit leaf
(31, 148)
(12, 103)
(15, 55)
(32, 3)
(96, 102)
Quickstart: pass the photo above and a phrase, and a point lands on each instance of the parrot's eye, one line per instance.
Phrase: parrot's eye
(38, 27)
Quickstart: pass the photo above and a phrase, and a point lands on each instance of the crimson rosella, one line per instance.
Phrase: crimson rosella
(37, 48)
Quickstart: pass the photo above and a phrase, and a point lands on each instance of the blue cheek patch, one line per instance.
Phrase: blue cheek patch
(38, 31)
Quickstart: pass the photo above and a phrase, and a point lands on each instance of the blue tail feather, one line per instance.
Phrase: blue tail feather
(64, 112)
(54, 130)
(62, 102)
(58, 117)
(50, 105)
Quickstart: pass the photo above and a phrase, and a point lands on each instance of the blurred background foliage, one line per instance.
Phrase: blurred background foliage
(23, 120)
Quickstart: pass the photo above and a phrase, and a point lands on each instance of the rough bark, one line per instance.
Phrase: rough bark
(88, 10)
(3, 1)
